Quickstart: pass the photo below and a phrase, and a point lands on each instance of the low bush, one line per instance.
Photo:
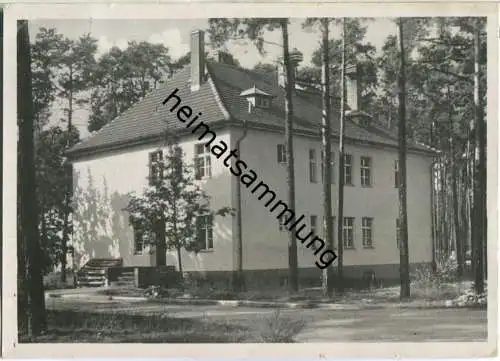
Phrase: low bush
(156, 292)
(280, 329)
(471, 299)
(52, 281)
(435, 284)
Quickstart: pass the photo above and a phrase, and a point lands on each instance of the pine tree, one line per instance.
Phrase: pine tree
(222, 30)
(28, 206)
(169, 209)
(403, 216)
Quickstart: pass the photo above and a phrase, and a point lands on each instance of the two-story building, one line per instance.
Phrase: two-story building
(247, 109)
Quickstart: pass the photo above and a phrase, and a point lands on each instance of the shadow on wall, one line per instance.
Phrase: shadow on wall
(219, 189)
(100, 225)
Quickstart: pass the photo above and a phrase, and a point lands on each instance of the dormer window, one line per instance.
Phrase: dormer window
(261, 102)
(257, 98)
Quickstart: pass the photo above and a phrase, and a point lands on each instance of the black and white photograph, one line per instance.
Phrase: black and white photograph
(253, 180)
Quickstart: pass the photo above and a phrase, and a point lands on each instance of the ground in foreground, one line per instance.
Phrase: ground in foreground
(127, 321)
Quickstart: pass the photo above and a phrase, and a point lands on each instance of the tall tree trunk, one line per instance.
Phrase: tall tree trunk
(464, 218)
(29, 215)
(326, 136)
(1, 112)
(238, 275)
(433, 216)
(179, 260)
(404, 267)
(160, 244)
(69, 185)
(179, 254)
(439, 216)
(480, 170)
(22, 282)
(444, 220)
(454, 195)
(340, 200)
(434, 207)
(470, 193)
(457, 224)
(292, 239)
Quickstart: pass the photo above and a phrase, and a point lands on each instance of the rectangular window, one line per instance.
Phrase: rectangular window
(366, 171)
(332, 167)
(314, 223)
(155, 167)
(139, 241)
(348, 169)
(396, 173)
(367, 231)
(398, 233)
(204, 233)
(202, 162)
(281, 153)
(313, 177)
(348, 232)
(262, 102)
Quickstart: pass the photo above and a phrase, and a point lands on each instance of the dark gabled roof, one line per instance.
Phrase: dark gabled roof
(219, 101)
(148, 118)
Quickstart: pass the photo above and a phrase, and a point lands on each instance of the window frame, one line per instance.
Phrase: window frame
(202, 161)
(281, 153)
(205, 223)
(365, 228)
(156, 171)
(348, 165)
(313, 166)
(313, 225)
(138, 239)
(345, 229)
(262, 102)
(366, 168)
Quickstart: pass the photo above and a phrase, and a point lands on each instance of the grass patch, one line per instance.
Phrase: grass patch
(122, 291)
(69, 326)
(72, 326)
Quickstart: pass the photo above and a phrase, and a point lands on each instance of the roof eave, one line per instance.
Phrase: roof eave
(74, 155)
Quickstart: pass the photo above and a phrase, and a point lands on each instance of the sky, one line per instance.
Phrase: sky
(174, 34)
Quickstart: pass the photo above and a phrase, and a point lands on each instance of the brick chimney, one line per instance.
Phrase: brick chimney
(353, 93)
(197, 59)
